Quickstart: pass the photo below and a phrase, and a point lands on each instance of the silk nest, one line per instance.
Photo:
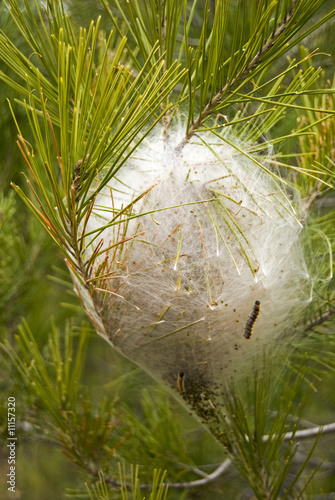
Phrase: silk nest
(192, 240)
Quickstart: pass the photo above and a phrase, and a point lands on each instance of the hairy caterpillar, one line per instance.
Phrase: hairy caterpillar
(180, 382)
(252, 318)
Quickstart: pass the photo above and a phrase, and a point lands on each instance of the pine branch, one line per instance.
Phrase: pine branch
(209, 478)
(206, 480)
(215, 101)
(307, 433)
(321, 320)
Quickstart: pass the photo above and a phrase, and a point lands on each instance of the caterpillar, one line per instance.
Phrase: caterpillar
(180, 382)
(252, 318)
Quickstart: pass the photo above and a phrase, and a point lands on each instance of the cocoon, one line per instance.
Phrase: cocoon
(187, 261)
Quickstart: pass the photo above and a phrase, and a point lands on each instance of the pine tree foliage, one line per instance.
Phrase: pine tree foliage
(59, 409)
(257, 435)
(159, 489)
(25, 255)
(92, 99)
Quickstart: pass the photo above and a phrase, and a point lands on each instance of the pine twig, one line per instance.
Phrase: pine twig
(301, 434)
(322, 319)
(207, 111)
(166, 119)
(307, 433)
(208, 479)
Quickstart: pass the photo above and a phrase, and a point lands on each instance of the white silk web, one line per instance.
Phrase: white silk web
(186, 262)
